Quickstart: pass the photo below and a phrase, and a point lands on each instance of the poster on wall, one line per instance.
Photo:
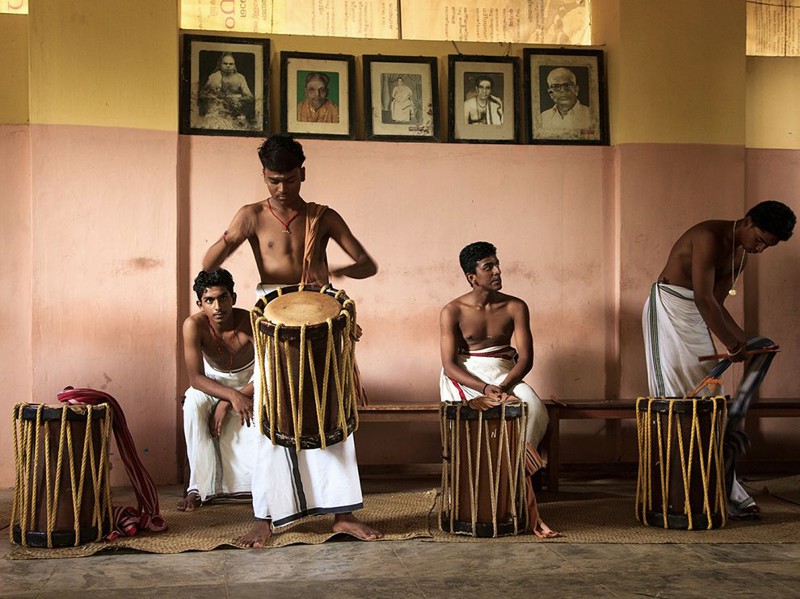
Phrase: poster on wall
(317, 92)
(401, 96)
(565, 96)
(483, 104)
(224, 86)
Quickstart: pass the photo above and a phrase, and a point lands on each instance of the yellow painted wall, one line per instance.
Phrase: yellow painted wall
(111, 63)
(677, 70)
(14, 74)
(773, 118)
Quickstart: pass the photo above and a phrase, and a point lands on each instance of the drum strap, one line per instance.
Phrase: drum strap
(149, 517)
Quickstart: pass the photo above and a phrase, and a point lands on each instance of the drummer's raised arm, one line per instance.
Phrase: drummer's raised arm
(231, 239)
(363, 265)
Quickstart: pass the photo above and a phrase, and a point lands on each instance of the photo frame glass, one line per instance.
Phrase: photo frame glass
(316, 95)
(402, 99)
(483, 104)
(225, 86)
(566, 97)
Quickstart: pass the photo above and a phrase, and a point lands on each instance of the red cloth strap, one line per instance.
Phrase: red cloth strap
(148, 514)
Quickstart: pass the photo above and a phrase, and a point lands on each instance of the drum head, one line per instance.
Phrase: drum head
(302, 308)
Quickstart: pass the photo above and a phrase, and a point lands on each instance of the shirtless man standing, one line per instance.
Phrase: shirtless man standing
(702, 270)
(218, 350)
(289, 237)
(478, 363)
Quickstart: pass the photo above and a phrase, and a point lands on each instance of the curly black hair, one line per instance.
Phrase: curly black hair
(218, 278)
(773, 217)
(281, 153)
(474, 253)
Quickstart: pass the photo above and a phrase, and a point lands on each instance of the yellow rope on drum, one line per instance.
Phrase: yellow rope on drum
(32, 437)
(639, 483)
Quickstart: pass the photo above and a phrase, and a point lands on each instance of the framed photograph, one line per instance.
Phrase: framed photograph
(483, 99)
(565, 97)
(225, 86)
(317, 93)
(401, 98)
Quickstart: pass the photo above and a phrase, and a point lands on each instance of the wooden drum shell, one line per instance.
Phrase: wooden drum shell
(501, 434)
(684, 465)
(45, 470)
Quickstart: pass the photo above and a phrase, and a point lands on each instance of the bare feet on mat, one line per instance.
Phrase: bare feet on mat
(258, 535)
(190, 503)
(543, 531)
(350, 525)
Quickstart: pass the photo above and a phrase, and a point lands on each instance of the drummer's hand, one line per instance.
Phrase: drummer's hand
(494, 392)
(483, 403)
(243, 406)
(737, 354)
(218, 418)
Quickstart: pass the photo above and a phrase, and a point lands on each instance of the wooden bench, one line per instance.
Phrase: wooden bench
(620, 409)
(609, 410)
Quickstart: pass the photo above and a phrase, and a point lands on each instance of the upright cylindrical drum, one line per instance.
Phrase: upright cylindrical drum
(483, 470)
(306, 357)
(681, 482)
(62, 495)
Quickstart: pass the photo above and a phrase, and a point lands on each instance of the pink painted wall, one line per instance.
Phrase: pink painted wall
(663, 189)
(414, 206)
(773, 297)
(15, 316)
(103, 276)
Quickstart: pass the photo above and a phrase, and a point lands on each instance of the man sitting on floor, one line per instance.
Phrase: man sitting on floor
(218, 349)
(479, 365)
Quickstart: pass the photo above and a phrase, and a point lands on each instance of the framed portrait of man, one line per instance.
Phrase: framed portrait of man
(401, 98)
(224, 86)
(317, 92)
(483, 99)
(565, 96)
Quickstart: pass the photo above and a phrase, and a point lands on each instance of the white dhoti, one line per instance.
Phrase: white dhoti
(675, 334)
(217, 467)
(288, 484)
(491, 365)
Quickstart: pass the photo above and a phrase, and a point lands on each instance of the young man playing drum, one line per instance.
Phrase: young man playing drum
(687, 302)
(218, 349)
(479, 365)
(289, 238)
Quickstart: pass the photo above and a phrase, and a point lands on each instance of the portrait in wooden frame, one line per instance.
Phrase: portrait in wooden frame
(317, 95)
(224, 86)
(565, 96)
(401, 98)
(483, 99)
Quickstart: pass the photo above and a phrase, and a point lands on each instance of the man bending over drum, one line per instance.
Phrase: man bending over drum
(218, 349)
(479, 365)
(702, 270)
(289, 239)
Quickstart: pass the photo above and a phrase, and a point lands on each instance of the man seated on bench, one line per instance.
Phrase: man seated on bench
(479, 365)
(686, 305)
(218, 349)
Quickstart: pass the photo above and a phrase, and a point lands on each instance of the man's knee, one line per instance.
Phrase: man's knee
(197, 402)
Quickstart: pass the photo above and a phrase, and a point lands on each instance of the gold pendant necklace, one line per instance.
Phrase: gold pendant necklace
(734, 273)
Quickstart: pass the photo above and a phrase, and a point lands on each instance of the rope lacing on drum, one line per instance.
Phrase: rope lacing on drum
(27, 441)
(271, 395)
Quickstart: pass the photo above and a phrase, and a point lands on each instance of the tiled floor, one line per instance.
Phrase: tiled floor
(421, 569)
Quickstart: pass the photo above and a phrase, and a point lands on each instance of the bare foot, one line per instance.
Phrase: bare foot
(543, 531)
(190, 503)
(258, 535)
(349, 524)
